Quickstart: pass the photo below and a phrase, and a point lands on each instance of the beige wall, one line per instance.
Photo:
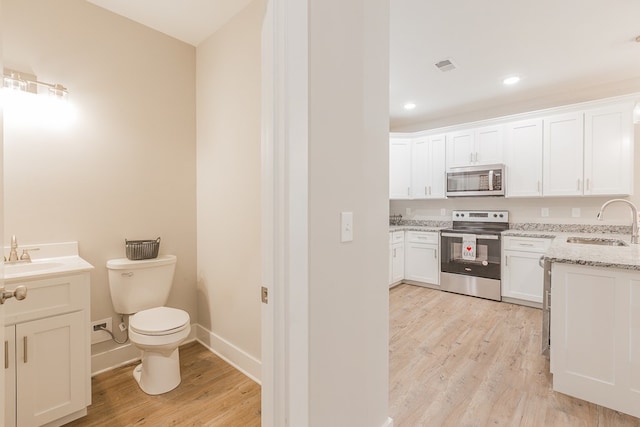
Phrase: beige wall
(348, 163)
(228, 170)
(126, 167)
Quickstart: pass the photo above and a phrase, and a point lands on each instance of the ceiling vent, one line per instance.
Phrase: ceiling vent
(445, 65)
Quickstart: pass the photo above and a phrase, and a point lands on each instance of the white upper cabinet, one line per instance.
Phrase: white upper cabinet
(589, 152)
(400, 168)
(608, 150)
(563, 155)
(524, 158)
(428, 167)
(480, 146)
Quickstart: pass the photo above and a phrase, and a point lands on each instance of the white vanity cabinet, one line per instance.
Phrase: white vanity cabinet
(428, 167)
(522, 272)
(422, 258)
(47, 352)
(595, 346)
(396, 257)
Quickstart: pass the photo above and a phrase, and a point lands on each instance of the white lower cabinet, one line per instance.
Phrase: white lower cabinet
(522, 273)
(396, 257)
(47, 359)
(422, 258)
(595, 344)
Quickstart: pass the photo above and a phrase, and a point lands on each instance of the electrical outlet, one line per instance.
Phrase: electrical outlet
(544, 212)
(575, 212)
(98, 335)
(443, 212)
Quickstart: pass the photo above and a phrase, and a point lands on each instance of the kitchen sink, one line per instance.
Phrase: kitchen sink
(596, 241)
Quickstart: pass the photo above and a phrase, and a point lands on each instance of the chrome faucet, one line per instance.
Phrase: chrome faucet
(634, 211)
(13, 254)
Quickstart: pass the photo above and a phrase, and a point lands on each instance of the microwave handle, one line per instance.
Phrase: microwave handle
(491, 180)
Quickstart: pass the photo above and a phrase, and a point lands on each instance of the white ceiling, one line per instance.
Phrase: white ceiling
(554, 45)
(191, 21)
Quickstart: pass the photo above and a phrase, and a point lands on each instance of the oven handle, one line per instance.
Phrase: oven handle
(478, 236)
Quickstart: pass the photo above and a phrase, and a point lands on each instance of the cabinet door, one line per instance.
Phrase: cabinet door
(398, 262)
(524, 159)
(420, 169)
(488, 145)
(437, 167)
(50, 368)
(522, 276)
(400, 169)
(9, 376)
(608, 150)
(563, 150)
(460, 149)
(421, 263)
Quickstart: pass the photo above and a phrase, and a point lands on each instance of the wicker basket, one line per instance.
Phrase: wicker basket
(142, 249)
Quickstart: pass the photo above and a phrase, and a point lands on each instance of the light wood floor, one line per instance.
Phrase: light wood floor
(462, 361)
(212, 393)
(454, 361)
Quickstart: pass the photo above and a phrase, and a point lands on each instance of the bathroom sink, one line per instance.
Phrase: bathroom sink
(596, 241)
(31, 267)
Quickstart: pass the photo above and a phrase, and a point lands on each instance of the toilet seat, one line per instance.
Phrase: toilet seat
(159, 321)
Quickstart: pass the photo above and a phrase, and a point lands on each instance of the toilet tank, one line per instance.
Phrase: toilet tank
(139, 285)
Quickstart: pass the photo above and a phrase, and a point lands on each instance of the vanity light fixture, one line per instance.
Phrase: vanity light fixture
(24, 82)
(511, 80)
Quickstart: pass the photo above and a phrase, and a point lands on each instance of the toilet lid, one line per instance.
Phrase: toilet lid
(159, 321)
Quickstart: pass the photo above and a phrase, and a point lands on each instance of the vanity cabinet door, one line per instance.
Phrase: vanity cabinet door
(9, 367)
(50, 368)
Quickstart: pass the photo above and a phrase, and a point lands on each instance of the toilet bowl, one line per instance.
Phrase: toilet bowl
(141, 288)
(158, 332)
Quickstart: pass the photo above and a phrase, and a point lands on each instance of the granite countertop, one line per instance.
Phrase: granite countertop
(622, 257)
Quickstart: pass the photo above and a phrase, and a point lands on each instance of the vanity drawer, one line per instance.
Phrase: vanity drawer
(48, 297)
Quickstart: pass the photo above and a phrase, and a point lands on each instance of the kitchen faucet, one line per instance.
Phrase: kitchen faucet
(634, 210)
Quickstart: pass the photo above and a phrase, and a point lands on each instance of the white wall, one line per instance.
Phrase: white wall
(348, 163)
(228, 180)
(126, 167)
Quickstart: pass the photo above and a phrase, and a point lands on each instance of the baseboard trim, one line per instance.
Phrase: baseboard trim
(236, 357)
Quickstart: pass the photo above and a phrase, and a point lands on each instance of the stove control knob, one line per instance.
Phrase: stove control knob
(496, 215)
(457, 215)
(462, 215)
(485, 263)
(501, 215)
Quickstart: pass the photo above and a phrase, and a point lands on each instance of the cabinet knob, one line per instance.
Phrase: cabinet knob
(18, 293)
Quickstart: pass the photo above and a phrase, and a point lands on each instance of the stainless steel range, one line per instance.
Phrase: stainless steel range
(471, 253)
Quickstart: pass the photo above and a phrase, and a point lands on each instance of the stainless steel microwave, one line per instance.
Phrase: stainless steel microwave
(483, 180)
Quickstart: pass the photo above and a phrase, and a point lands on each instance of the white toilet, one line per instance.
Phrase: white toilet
(142, 287)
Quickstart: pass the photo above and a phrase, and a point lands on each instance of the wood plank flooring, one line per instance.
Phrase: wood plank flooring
(462, 361)
(454, 361)
(212, 393)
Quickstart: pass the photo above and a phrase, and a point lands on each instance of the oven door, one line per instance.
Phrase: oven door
(486, 263)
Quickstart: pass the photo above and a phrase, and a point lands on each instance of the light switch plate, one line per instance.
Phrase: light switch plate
(346, 227)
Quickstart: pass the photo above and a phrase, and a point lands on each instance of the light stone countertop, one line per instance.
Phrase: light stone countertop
(621, 257)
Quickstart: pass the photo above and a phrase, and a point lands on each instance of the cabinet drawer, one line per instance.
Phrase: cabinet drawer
(396, 237)
(48, 297)
(422, 237)
(528, 244)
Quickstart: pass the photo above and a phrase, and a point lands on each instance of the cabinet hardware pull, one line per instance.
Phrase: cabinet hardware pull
(527, 244)
(408, 191)
(548, 298)
(588, 184)
(24, 348)
(435, 254)
(538, 186)
(541, 261)
(429, 190)
(394, 252)
(6, 355)
(506, 261)
(578, 184)
(425, 190)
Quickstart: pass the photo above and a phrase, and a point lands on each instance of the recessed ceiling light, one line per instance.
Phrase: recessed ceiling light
(511, 80)
(409, 106)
